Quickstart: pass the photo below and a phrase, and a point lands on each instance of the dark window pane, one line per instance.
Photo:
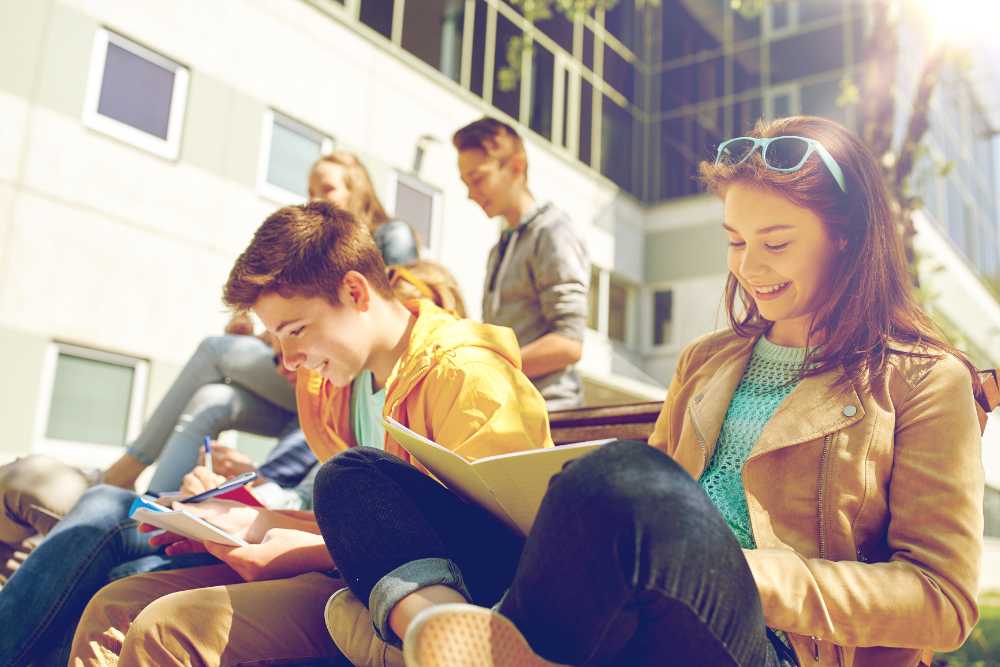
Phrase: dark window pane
(617, 311)
(779, 15)
(685, 34)
(616, 144)
(586, 119)
(744, 115)
(663, 307)
(781, 106)
(507, 101)
(622, 22)
(432, 31)
(746, 69)
(588, 48)
(377, 15)
(478, 49)
(818, 10)
(559, 29)
(820, 99)
(690, 84)
(806, 54)
(745, 27)
(136, 92)
(542, 83)
(415, 207)
(619, 73)
(564, 139)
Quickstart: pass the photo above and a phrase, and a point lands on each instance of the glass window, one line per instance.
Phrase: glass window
(478, 48)
(414, 204)
(619, 73)
(820, 99)
(377, 15)
(806, 54)
(617, 143)
(432, 31)
(746, 64)
(780, 16)
(542, 84)
(685, 35)
(92, 397)
(818, 10)
(622, 22)
(743, 115)
(690, 84)
(593, 299)
(559, 29)
(618, 311)
(508, 101)
(588, 48)
(291, 149)
(586, 119)
(745, 27)
(663, 313)
(135, 94)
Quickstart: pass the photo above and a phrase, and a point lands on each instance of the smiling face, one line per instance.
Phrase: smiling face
(492, 183)
(328, 182)
(316, 334)
(782, 255)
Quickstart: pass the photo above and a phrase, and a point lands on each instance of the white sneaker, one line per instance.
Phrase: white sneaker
(464, 635)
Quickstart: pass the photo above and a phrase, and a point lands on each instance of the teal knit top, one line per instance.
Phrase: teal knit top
(770, 376)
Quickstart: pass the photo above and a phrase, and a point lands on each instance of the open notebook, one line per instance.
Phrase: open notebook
(510, 486)
(144, 509)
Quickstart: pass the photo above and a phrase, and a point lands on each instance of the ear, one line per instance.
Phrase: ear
(355, 291)
(518, 164)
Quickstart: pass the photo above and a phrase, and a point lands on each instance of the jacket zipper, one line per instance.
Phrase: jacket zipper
(824, 455)
(700, 438)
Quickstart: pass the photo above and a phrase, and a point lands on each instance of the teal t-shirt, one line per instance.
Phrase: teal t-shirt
(366, 412)
(770, 376)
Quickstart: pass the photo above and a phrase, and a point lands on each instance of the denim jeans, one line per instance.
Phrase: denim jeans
(94, 544)
(628, 562)
(228, 383)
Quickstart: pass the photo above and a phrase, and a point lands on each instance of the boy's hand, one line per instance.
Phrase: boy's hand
(282, 553)
(175, 544)
(227, 461)
(239, 520)
(200, 480)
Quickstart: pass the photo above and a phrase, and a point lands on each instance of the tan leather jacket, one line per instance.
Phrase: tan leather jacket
(866, 507)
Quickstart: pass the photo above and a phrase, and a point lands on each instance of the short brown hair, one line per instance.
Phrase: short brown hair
(364, 203)
(495, 138)
(305, 250)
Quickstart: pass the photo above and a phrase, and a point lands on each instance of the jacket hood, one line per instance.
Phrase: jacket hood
(436, 334)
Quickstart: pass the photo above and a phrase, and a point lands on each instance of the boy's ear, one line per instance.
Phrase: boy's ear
(518, 164)
(355, 291)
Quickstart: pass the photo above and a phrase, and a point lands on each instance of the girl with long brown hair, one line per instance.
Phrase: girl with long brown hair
(813, 492)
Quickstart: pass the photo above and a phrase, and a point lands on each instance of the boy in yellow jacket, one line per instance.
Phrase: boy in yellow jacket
(316, 279)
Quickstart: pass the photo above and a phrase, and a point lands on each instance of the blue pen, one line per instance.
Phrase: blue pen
(208, 453)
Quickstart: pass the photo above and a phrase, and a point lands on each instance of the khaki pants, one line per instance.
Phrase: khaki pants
(205, 616)
(35, 492)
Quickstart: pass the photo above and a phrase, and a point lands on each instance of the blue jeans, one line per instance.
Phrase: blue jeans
(94, 544)
(228, 383)
(628, 562)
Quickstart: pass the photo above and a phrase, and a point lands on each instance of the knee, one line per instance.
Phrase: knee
(105, 500)
(216, 396)
(339, 479)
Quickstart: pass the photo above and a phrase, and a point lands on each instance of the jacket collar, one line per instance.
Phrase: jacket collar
(813, 409)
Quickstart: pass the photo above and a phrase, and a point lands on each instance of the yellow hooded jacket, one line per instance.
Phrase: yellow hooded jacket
(459, 383)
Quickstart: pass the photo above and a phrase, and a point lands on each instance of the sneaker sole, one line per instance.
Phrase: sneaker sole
(460, 635)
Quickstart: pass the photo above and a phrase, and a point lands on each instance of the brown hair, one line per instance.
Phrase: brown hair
(427, 280)
(305, 250)
(871, 304)
(364, 203)
(495, 138)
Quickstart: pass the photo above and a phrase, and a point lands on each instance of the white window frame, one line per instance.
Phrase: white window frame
(168, 148)
(790, 90)
(396, 176)
(632, 290)
(769, 29)
(265, 188)
(74, 451)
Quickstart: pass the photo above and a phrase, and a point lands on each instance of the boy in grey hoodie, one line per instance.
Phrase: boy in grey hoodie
(538, 273)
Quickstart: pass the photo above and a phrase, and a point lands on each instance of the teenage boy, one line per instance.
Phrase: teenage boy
(538, 273)
(316, 279)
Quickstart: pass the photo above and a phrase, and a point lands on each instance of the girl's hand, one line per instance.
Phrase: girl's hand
(282, 553)
(247, 523)
(200, 480)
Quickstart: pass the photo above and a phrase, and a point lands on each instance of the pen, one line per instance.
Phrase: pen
(208, 453)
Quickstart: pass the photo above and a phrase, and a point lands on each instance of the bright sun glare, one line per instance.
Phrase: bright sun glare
(959, 22)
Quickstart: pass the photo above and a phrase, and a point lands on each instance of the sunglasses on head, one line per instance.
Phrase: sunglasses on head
(785, 154)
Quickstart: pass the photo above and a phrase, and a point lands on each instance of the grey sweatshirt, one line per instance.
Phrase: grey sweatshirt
(539, 287)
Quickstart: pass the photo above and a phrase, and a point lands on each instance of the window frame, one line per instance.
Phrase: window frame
(397, 176)
(265, 188)
(70, 450)
(168, 148)
(671, 345)
(768, 29)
